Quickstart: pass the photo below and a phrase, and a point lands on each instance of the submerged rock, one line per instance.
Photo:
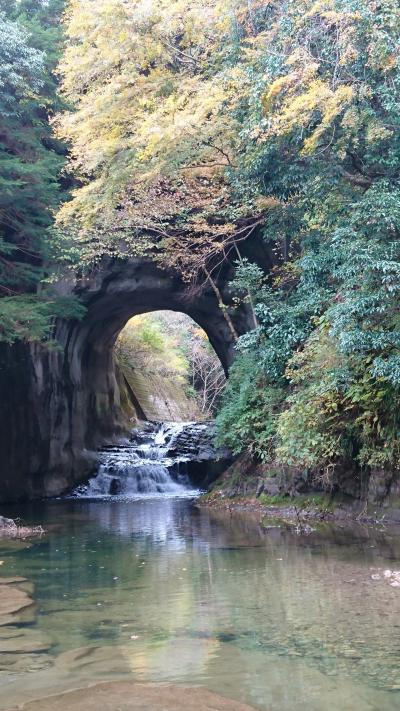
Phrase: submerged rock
(14, 640)
(12, 600)
(129, 696)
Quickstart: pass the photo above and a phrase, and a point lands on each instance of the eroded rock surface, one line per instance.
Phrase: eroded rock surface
(59, 405)
(195, 443)
(12, 600)
(22, 647)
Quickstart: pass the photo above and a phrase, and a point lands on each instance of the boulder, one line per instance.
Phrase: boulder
(7, 522)
(198, 456)
(196, 441)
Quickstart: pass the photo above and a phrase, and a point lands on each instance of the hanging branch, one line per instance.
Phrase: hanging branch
(221, 304)
(251, 301)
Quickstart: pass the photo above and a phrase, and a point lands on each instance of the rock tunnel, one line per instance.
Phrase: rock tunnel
(59, 405)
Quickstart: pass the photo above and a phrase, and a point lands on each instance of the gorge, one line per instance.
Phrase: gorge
(199, 355)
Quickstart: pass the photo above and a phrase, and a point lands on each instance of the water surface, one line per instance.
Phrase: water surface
(157, 590)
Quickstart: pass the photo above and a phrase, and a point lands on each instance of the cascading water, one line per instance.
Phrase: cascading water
(140, 467)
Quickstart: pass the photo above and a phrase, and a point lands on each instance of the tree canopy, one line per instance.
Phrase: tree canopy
(31, 160)
(194, 126)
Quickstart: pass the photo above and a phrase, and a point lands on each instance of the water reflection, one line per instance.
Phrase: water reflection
(162, 591)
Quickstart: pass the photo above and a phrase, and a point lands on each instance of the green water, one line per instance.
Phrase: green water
(161, 591)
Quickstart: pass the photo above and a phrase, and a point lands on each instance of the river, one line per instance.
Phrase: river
(153, 589)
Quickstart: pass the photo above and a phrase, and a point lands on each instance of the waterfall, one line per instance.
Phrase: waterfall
(140, 468)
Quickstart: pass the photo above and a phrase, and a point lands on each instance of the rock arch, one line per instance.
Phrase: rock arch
(57, 406)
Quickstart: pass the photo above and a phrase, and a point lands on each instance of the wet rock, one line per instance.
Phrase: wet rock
(109, 696)
(194, 445)
(6, 522)
(12, 580)
(14, 640)
(12, 601)
(196, 440)
(115, 487)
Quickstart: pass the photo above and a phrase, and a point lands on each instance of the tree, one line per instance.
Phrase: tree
(206, 374)
(31, 160)
(323, 143)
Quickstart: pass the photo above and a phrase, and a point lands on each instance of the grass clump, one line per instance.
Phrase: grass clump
(320, 502)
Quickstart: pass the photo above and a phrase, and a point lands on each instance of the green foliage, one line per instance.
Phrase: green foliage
(312, 428)
(144, 344)
(31, 160)
(171, 345)
(250, 409)
(303, 502)
(203, 124)
(322, 143)
(31, 318)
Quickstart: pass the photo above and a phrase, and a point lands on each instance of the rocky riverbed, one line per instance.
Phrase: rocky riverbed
(135, 697)
(10, 528)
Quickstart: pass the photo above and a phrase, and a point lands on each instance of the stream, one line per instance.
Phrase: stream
(142, 466)
(142, 585)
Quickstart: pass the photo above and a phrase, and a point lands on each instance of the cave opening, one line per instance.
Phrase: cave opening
(167, 369)
(168, 384)
(71, 400)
